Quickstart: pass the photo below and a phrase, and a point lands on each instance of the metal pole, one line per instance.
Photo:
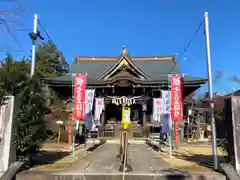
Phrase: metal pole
(121, 145)
(169, 118)
(125, 153)
(34, 43)
(210, 90)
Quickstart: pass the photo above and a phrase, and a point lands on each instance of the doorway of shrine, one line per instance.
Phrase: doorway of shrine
(114, 114)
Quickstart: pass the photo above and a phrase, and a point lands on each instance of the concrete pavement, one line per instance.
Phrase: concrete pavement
(104, 160)
(102, 163)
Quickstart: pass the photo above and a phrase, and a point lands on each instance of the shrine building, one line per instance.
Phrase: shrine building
(124, 80)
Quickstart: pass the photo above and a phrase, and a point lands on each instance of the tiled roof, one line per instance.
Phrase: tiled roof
(153, 68)
(156, 68)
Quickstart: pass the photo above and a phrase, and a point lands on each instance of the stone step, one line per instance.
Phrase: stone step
(119, 176)
(131, 141)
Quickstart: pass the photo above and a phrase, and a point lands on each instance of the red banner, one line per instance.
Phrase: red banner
(176, 97)
(80, 81)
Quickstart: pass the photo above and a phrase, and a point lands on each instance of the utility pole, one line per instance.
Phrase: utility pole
(34, 44)
(210, 90)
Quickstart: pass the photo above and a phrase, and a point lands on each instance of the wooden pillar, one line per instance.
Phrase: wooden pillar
(70, 130)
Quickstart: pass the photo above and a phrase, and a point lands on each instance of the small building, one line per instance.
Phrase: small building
(125, 78)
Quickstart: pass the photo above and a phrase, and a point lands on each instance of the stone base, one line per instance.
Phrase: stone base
(128, 168)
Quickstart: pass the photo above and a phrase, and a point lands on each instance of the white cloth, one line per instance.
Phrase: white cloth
(99, 106)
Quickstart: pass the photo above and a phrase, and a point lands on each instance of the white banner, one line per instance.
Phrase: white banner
(99, 106)
(166, 102)
(157, 109)
(89, 100)
(166, 122)
(88, 108)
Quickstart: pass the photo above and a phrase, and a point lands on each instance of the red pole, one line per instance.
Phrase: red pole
(70, 130)
(177, 138)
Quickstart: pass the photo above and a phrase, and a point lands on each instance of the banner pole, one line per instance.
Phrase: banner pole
(85, 123)
(73, 124)
(176, 127)
(70, 130)
(169, 118)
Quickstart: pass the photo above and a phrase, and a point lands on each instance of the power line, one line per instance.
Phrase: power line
(189, 43)
(193, 37)
(58, 53)
(45, 31)
(9, 30)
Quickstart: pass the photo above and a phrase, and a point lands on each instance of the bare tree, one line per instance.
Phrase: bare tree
(10, 23)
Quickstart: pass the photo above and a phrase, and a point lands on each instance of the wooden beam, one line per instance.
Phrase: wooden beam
(203, 109)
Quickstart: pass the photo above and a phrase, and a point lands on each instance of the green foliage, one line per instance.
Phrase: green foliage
(2, 94)
(30, 120)
(49, 62)
(15, 80)
(13, 75)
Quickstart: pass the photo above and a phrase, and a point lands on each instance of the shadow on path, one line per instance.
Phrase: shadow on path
(174, 174)
(203, 160)
(44, 158)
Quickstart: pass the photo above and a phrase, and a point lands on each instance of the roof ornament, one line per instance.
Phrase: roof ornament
(124, 51)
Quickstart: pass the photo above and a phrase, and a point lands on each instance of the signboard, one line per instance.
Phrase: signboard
(236, 130)
(79, 96)
(176, 97)
(126, 116)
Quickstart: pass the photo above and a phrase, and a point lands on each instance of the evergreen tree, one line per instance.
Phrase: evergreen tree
(15, 80)
(49, 61)
(2, 94)
(13, 75)
(30, 120)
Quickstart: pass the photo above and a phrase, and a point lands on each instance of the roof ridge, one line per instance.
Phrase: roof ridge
(134, 58)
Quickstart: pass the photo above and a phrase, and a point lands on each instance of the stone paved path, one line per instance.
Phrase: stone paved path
(103, 164)
(104, 160)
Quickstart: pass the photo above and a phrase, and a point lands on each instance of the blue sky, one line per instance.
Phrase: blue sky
(145, 27)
